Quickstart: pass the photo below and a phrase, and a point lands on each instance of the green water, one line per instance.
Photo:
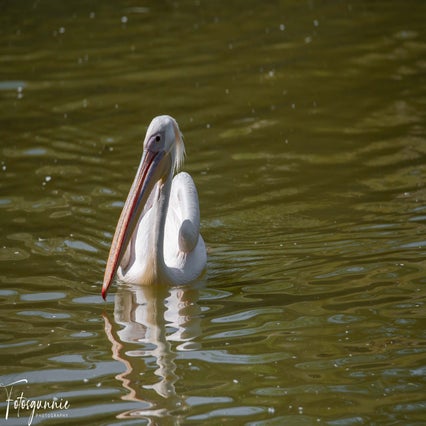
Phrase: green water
(304, 125)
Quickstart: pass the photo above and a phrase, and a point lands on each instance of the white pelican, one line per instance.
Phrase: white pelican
(157, 239)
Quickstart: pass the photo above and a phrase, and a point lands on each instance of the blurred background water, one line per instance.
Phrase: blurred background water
(304, 124)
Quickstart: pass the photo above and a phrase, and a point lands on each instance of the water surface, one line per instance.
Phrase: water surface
(304, 125)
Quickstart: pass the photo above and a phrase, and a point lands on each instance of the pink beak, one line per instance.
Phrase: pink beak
(154, 166)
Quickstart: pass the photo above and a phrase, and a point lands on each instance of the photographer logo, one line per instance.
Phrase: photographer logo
(18, 405)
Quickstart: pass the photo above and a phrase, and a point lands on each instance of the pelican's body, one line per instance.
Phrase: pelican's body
(157, 238)
(184, 253)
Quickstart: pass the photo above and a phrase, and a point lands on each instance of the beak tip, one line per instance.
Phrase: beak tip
(104, 291)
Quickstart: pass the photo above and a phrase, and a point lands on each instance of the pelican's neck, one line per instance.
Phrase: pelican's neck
(160, 213)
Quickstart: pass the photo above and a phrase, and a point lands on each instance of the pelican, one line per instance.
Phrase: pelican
(157, 239)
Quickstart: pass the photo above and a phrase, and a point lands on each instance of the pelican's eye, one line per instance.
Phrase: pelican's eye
(158, 138)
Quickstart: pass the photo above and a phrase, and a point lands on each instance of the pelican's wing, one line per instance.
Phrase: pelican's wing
(183, 221)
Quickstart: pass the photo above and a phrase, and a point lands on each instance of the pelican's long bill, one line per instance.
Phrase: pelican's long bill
(154, 166)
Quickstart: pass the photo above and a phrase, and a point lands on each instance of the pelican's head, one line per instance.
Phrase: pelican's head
(163, 134)
(163, 152)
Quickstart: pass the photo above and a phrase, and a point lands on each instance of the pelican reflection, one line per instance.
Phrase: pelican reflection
(151, 325)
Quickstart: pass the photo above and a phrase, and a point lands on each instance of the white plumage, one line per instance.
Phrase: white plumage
(157, 238)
